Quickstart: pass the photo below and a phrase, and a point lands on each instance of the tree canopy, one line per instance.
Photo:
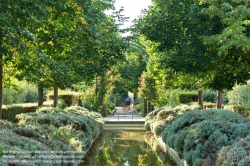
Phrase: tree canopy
(190, 34)
(62, 42)
(178, 43)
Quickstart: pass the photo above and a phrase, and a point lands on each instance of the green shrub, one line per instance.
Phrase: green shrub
(151, 116)
(168, 97)
(81, 118)
(158, 119)
(67, 98)
(158, 127)
(239, 95)
(242, 110)
(70, 129)
(237, 153)
(164, 114)
(175, 97)
(23, 92)
(10, 112)
(110, 107)
(61, 104)
(211, 96)
(14, 142)
(188, 98)
(197, 135)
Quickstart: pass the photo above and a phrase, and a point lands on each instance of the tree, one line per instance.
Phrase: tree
(46, 61)
(231, 44)
(177, 42)
(16, 18)
(130, 67)
(187, 45)
(60, 39)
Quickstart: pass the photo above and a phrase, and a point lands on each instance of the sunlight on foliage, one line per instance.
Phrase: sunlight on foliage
(197, 135)
(70, 129)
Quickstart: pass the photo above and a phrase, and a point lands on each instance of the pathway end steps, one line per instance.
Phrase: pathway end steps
(125, 120)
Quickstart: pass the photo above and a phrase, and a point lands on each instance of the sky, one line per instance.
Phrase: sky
(132, 9)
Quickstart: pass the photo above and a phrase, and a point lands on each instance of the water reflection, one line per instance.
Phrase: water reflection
(126, 149)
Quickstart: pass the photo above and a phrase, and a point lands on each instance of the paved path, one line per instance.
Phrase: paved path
(121, 115)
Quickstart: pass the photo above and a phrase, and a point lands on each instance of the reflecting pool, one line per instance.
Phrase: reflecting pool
(126, 149)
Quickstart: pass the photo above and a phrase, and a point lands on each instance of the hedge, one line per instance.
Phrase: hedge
(188, 98)
(10, 112)
(69, 99)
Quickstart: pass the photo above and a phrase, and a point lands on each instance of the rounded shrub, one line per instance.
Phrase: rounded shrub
(198, 135)
(239, 95)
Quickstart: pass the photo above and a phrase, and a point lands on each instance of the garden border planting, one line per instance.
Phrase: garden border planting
(47, 134)
(202, 136)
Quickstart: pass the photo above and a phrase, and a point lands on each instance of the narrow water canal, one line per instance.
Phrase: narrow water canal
(126, 149)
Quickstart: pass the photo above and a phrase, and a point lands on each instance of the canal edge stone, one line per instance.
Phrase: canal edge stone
(171, 152)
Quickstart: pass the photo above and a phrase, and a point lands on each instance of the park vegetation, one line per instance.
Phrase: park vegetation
(73, 129)
(181, 52)
(196, 44)
(202, 137)
(56, 44)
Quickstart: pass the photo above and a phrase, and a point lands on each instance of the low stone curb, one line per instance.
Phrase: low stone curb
(171, 152)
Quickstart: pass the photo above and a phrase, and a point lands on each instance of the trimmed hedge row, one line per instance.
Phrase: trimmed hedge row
(69, 99)
(10, 112)
(242, 110)
(156, 120)
(188, 98)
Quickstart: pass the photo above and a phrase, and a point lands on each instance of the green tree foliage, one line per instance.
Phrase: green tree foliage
(97, 93)
(239, 95)
(190, 36)
(23, 92)
(15, 37)
(231, 43)
(211, 96)
(129, 71)
(147, 89)
(47, 42)
(176, 31)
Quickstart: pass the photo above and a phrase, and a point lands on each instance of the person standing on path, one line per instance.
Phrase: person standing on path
(123, 102)
(128, 103)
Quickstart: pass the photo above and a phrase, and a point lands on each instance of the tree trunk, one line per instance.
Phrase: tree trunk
(55, 94)
(145, 107)
(40, 95)
(200, 99)
(1, 87)
(219, 99)
(104, 110)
